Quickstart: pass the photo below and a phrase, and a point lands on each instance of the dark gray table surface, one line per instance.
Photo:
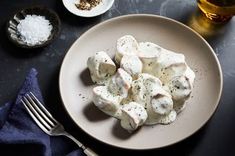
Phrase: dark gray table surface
(216, 138)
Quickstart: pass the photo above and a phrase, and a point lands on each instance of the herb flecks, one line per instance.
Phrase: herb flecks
(87, 4)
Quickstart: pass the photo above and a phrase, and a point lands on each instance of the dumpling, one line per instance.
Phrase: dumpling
(168, 58)
(160, 109)
(143, 87)
(101, 67)
(106, 101)
(149, 50)
(126, 45)
(147, 90)
(181, 88)
(161, 102)
(131, 64)
(176, 76)
(170, 65)
(133, 116)
(149, 54)
(120, 83)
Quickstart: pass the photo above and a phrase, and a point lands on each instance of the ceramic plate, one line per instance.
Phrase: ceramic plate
(76, 86)
(104, 6)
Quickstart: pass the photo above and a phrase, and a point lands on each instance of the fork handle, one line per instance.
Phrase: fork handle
(86, 150)
(90, 152)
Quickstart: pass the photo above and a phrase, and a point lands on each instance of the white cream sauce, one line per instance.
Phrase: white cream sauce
(150, 87)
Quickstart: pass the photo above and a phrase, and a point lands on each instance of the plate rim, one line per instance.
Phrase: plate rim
(154, 16)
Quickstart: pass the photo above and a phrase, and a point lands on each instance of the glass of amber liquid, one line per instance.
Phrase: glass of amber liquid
(217, 10)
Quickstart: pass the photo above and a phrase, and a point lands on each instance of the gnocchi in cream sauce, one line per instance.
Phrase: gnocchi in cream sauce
(150, 86)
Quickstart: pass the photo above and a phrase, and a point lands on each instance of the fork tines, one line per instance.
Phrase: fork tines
(38, 112)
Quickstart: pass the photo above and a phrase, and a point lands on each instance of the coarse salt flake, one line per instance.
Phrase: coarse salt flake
(34, 29)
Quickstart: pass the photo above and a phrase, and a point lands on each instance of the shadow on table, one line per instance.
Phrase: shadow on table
(119, 132)
(85, 77)
(93, 114)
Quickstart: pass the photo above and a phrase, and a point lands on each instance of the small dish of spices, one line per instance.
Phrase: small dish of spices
(33, 27)
(88, 8)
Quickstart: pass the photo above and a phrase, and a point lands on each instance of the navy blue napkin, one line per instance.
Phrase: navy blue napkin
(20, 135)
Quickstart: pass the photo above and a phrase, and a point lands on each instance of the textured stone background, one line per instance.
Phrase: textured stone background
(216, 138)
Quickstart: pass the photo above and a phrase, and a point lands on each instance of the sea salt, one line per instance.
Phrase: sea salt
(34, 29)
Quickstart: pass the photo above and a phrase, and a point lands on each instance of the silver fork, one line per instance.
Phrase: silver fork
(47, 122)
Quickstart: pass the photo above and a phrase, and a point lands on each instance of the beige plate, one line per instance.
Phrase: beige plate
(76, 86)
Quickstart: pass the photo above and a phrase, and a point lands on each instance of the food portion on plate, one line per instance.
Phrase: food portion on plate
(150, 86)
(101, 67)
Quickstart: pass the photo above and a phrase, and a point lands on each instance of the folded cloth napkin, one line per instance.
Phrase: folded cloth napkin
(19, 134)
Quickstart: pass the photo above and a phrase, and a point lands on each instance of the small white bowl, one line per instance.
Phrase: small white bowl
(104, 6)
